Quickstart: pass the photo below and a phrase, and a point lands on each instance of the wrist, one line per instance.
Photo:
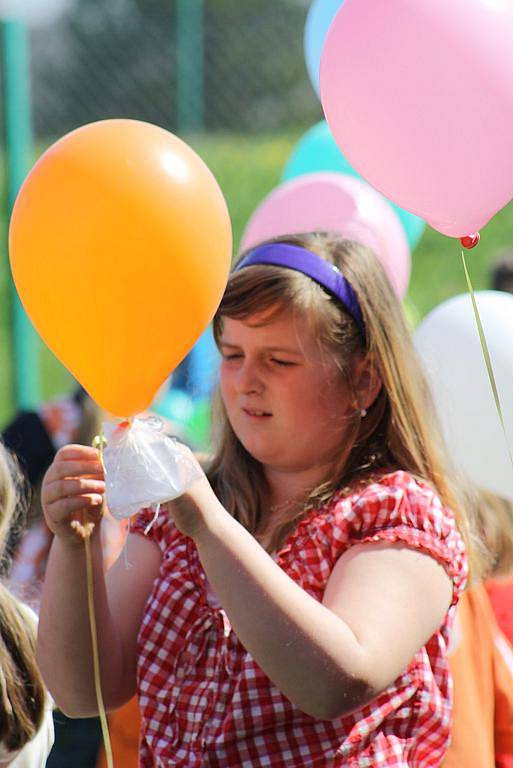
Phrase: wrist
(71, 535)
(197, 510)
(214, 525)
(195, 519)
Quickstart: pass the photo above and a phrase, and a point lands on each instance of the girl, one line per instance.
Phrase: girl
(26, 729)
(293, 609)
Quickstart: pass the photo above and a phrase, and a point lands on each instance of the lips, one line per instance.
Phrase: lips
(256, 413)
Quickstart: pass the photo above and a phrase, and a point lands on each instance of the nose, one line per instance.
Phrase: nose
(249, 378)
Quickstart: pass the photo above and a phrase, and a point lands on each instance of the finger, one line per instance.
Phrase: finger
(61, 469)
(76, 486)
(63, 508)
(75, 451)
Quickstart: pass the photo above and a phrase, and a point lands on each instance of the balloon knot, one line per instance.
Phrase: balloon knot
(470, 241)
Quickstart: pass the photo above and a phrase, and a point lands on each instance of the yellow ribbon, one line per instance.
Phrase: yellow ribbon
(486, 355)
(85, 530)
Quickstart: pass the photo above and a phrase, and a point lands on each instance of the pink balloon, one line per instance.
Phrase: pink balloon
(338, 203)
(419, 97)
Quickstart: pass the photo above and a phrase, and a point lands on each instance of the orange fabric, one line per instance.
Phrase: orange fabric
(124, 727)
(504, 700)
(481, 663)
(501, 598)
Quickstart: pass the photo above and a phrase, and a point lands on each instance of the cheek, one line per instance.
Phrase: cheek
(330, 400)
(223, 382)
(226, 385)
(338, 391)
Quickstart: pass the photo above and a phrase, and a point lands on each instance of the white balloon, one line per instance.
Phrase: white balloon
(448, 343)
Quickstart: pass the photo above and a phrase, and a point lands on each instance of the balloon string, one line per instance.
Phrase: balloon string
(486, 355)
(85, 530)
(96, 658)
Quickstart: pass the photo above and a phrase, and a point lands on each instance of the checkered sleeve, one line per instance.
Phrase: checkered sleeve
(157, 526)
(398, 508)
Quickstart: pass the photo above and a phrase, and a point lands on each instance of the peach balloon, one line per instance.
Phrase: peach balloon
(120, 247)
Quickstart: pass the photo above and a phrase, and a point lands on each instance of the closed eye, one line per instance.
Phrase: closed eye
(282, 362)
(233, 356)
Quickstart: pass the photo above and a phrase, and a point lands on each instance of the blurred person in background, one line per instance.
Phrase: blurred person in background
(499, 536)
(26, 725)
(502, 273)
(481, 655)
(500, 585)
(35, 437)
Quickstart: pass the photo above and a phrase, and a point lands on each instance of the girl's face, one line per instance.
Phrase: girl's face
(286, 400)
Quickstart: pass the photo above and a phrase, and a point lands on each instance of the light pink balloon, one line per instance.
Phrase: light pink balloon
(338, 203)
(419, 97)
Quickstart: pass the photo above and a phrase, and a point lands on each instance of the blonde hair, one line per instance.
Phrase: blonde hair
(22, 693)
(400, 429)
(495, 518)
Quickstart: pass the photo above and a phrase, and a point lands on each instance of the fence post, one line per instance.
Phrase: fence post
(190, 65)
(19, 147)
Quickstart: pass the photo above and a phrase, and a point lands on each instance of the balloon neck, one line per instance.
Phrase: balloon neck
(470, 241)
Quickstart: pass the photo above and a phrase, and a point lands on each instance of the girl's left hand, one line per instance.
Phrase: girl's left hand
(193, 511)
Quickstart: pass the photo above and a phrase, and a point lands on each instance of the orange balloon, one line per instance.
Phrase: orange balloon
(120, 245)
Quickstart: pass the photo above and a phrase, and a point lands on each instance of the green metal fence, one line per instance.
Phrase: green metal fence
(201, 68)
(185, 64)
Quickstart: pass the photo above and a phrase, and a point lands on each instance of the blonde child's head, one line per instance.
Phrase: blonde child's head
(495, 520)
(22, 696)
(13, 503)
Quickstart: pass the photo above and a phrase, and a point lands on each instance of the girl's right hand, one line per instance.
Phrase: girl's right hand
(73, 489)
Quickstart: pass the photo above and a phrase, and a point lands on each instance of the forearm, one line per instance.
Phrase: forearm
(308, 652)
(64, 637)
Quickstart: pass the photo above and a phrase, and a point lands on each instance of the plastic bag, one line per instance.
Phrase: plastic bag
(144, 467)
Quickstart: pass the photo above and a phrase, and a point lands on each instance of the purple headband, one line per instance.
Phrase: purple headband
(298, 258)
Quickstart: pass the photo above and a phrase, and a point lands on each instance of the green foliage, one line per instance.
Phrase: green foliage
(247, 168)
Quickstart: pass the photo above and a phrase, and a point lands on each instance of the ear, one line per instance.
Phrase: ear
(367, 382)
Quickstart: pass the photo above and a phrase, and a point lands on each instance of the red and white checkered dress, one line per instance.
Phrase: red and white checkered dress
(204, 700)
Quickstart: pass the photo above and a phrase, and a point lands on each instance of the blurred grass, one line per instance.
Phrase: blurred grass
(247, 168)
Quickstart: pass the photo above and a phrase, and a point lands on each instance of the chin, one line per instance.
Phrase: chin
(262, 453)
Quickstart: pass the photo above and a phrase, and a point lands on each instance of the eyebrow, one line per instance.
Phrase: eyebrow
(269, 349)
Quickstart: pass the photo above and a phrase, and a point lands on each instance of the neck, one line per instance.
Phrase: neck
(293, 487)
(288, 492)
